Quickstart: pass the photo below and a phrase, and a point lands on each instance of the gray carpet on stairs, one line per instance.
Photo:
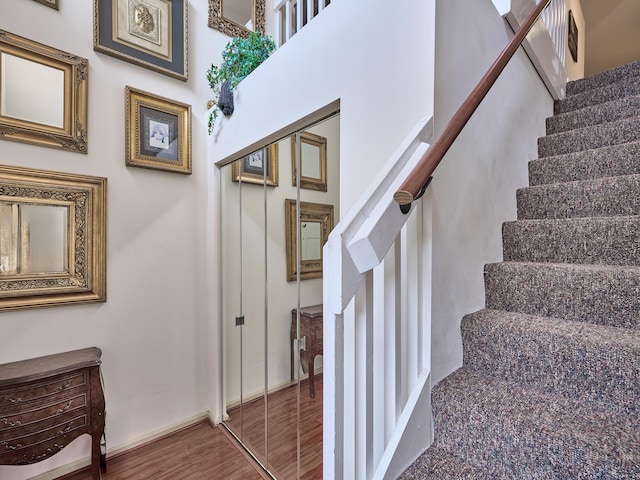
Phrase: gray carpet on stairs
(550, 386)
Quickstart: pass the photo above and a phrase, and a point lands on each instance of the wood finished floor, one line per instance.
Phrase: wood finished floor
(204, 452)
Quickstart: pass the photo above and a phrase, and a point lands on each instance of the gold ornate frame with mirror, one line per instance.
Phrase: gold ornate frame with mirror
(52, 238)
(251, 169)
(313, 161)
(229, 17)
(316, 222)
(50, 111)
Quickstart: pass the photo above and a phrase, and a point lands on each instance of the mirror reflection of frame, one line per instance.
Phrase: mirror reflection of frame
(49, 3)
(313, 161)
(225, 16)
(43, 95)
(315, 224)
(52, 238)
(252, 167)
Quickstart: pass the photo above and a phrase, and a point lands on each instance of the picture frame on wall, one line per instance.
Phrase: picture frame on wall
(147, 33)
(49, 3)
(251, 168)
(157, 131)
(50, 112)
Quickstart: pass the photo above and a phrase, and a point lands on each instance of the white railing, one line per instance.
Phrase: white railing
(377, 328)
(294, 14)
(547, 41)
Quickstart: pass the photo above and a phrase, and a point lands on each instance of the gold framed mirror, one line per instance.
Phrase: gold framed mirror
(43, 94)
(315, 224)
(237, 18)
(313, 161)
(52, 238)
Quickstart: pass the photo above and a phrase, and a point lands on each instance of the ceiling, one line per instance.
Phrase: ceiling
(612, 33)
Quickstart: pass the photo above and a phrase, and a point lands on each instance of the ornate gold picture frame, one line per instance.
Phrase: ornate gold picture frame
(43, 94)
(157, 131)
(251, 169)
(225, 22)
(52, 238)
(148, 33)
(314, 224)
(313, 159)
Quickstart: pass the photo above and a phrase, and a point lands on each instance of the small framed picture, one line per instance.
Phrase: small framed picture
(158, 132)
(260, 167)
(148, 33)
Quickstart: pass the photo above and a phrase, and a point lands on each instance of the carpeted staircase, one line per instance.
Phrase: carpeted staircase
(550, 386)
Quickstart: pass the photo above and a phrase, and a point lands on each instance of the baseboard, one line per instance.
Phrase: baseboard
(73, 467)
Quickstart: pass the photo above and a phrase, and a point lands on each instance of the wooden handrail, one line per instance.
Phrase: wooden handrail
(413, 186)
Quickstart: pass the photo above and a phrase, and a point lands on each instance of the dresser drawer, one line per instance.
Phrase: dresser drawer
(15, 397)
(37, 446)
(43, 416)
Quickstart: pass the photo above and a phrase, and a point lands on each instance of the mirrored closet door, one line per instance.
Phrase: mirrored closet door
(278, 206)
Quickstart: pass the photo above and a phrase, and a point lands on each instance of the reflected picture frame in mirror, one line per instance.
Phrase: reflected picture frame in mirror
(50, 111)
(311, 213)
(313, 161)
(251, 169)
(224, 24)
(80, 274)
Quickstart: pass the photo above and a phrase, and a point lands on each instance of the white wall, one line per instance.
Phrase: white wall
(374, 59)
(474, 187)
(153, 330)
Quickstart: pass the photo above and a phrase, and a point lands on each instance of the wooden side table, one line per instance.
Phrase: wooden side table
(311, 328)
(47, 402)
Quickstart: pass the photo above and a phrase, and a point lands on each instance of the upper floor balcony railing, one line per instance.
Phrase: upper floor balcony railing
(295, 14)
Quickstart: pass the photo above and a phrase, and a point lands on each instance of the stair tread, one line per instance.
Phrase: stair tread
(624, 130)
(601, 294)
(606, 196)
(592, 240)
(506, 428)
(601, 79)
(598, 363)
(605, 112)
(625, 86)
(610, 161)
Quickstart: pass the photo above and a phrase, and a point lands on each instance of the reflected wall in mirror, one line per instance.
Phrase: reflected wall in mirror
(313, 161)
(314, 217)
(43, 94)
(237, 18)
(52, 238)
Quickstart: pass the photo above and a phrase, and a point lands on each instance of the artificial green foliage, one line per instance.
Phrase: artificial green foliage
(240, 57)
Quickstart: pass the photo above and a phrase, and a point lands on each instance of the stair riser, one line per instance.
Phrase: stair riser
(603, 79)
(550, 354)
(611, 161)
(597, 136)
(607, 112)
(610, 241)
(605, 197)
(605, 296)
(623, 88)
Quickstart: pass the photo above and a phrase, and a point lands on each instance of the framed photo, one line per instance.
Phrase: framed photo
(43, 94)
(573, 37)
(259, 167)
(157, 131)
(148, 33)
(49, 3)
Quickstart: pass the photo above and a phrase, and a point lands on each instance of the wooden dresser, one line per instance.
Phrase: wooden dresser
(47, 402)
(311, 329)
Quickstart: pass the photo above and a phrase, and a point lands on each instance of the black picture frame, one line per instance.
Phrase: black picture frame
(572, 39)
(167, 55)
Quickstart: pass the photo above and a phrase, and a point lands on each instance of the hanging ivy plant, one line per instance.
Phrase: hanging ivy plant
(240, 57)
